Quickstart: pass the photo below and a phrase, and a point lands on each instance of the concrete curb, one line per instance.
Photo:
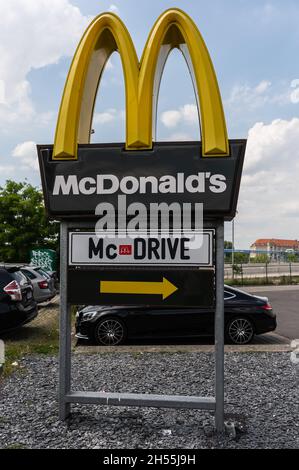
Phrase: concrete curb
(281, 344)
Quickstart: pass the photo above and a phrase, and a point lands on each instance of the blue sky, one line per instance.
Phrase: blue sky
(254, 47)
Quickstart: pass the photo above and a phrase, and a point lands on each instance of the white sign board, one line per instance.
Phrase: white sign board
(194, 249)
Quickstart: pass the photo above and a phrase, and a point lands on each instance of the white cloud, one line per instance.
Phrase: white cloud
(269, 195)
(190, 114)
(2, 92)
(26, 153)
(33, 34)
(272, 146)
(170, 118)
(108, 116)
(295, 93)
(114, 9)
(187, 114)
(7, 170)
(263, 86)
(103, 118)
(249, 96)
(178, 136)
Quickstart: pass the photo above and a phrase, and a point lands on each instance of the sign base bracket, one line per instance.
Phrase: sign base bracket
(144, 400)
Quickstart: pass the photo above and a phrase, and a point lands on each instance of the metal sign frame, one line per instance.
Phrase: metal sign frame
(67, 397)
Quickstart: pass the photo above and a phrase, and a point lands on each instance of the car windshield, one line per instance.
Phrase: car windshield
(43, 273)
(28, 274)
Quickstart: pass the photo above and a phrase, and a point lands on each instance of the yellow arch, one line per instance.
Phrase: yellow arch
(106, 34)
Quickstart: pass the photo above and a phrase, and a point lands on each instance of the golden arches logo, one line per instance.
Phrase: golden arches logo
(106, 34)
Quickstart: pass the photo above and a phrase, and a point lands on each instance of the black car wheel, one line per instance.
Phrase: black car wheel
(110, 332)
(240, 330)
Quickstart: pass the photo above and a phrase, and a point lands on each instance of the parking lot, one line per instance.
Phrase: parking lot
(285, 302)
(43, 331)
(284, 299)
(41, 335)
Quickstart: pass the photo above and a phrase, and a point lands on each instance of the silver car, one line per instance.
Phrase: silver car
(43, 284)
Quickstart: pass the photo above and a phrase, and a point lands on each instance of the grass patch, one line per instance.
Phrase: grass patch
(46, 349)
(39, 337)
(137, 355)
(16, 445)
(15, 352)
(263, 281)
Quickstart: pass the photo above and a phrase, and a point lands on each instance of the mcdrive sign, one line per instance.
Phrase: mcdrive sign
(92, 249)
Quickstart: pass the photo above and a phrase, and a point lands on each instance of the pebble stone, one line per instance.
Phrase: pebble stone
(261, 395)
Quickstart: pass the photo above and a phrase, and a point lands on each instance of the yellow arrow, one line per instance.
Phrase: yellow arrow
(164, 288)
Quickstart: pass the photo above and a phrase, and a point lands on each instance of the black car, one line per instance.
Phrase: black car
(17, 305)
(246, 315)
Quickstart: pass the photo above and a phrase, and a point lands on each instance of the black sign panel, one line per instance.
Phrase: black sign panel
(193, 288)
(170, 173)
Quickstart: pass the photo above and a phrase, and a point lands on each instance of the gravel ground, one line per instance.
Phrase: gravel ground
(261, 398)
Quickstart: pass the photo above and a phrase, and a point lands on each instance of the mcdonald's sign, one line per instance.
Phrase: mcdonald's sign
(82, 180)
(77, 175)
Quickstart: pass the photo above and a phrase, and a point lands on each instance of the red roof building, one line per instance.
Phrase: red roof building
(276, 247)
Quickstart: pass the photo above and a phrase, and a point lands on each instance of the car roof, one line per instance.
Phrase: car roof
(35, 269)
(11, 268)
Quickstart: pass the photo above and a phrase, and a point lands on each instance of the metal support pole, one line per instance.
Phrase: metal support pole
(233, 248)
(64, 329)
(219, 329)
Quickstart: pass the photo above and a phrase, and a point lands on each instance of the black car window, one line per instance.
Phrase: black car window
(43, 273)
(228, 295)
(238, 293)
(29, 274)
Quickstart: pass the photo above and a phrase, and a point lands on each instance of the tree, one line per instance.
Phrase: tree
(23, 222)
(228, 256)
(262, 258)
(241, 258)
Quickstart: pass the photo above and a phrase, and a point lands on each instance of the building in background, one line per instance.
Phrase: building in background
(276, 249)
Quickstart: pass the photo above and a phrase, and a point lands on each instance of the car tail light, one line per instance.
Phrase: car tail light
(43, 285)
(267, 306)
(14, 291)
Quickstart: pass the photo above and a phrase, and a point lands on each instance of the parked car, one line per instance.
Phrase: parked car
(17, 305)
(246, 315)
(43, 284)
(54, 276)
